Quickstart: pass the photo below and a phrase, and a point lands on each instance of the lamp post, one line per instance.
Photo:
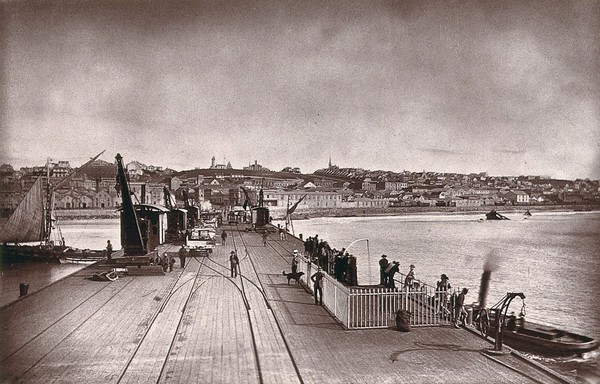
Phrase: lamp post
(368, 256)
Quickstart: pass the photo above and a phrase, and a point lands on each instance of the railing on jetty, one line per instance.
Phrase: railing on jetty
(375, 307)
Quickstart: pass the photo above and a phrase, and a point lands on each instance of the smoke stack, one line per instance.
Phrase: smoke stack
(484, 287)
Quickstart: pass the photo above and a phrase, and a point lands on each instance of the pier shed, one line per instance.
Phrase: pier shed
(153, 223)
(260, 217)
(177, 224)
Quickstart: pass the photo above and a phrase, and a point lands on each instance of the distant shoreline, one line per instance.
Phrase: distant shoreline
(401, 211)
(110, 213)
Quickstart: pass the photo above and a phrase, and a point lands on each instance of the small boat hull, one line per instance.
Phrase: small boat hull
(536, 338)
(53, 254)
(22, 253)
(493, 215)
(80, 260)
(566, 344)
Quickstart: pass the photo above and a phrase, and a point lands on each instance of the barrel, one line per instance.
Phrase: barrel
(23, 288)
(403, 320)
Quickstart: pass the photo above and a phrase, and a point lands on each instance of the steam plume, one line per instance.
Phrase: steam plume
(491, 264)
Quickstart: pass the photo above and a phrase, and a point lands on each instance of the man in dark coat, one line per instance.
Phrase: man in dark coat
(391, 271)
(182, 255)
(317, 280)
(459, 308)
(233, 263)
(109, 250)
(383, 263)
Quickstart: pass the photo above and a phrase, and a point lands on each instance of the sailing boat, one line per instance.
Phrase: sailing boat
(28, 233)
(288, 214)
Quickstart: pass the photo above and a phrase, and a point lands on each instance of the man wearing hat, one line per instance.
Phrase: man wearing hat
(391, 270)
(410, 276)
(182, 254)
(459, 308)
(383, 263)
(443, 286)
(295, 261)
(233, 263)
(317, 280)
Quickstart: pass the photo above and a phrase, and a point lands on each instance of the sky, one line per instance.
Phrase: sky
(504, 87)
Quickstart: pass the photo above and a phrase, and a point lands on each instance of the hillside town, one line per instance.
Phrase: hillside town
(217, 186)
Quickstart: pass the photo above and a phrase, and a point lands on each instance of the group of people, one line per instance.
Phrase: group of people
(338, 263)
(167, 261)
(344, 270)
(453, 305)
(388, 270)
(319, 252)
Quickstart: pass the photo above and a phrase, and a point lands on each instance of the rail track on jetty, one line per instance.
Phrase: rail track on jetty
(252, 277)
(177, 286)
(247, 284)
(198, 324)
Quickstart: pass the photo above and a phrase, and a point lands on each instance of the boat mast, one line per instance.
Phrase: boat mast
(47, 206)
(289, 224)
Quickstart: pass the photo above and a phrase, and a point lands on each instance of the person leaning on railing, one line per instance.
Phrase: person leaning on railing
(443, 286)
(408, 281)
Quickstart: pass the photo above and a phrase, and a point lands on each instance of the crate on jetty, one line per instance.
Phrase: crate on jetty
(137, 265)
(136, 261)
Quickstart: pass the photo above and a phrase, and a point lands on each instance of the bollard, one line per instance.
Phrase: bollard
(23, 288)
(300, 236)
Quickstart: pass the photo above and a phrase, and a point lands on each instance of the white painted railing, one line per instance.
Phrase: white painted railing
(375, 307)
(335, 294)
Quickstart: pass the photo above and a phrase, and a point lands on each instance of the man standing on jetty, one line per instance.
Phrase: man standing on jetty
(317, 280)
(390, 271)
(233, 263)
(295, 261)
(383, 263)
(459, 308)
(109, 250)
(182, 254)
(443, 286)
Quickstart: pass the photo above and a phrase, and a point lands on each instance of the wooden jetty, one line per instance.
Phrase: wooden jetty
(200, 325)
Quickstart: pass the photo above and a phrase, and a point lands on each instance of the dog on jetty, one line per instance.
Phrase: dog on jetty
(293, 276)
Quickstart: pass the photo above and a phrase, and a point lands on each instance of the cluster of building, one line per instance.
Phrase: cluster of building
(219, 186)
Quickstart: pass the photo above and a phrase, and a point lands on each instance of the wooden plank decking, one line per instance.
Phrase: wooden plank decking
(199, 325)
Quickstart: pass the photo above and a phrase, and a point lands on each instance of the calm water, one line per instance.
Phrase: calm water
(37, 275)
(90, 234)
(554, 258)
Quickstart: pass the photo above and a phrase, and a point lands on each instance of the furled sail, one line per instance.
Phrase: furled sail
(27, 222)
